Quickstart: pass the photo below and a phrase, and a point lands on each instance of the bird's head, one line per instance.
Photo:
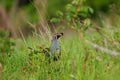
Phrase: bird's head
(57, 36)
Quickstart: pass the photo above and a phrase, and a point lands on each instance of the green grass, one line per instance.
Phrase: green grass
(79, 60)
(98, 66)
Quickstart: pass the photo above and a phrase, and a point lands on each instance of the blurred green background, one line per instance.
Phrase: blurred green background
(29, 11)
(27, 27)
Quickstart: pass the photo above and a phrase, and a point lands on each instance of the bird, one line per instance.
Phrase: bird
(54, 51)
(55, 47)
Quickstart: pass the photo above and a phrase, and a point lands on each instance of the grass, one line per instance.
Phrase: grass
(71, 66)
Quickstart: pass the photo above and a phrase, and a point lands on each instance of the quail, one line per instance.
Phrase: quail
(55, 47)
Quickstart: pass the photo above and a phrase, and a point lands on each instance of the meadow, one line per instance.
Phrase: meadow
(79, 60)
(90, 46)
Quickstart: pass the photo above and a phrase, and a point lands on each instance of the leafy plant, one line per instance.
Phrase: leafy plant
(77, 15)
